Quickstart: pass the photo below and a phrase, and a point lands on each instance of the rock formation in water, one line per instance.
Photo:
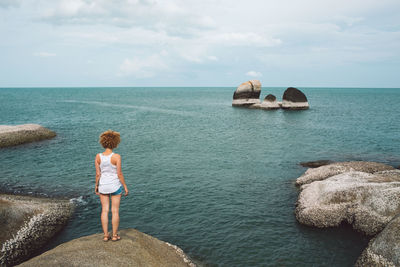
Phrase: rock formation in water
(293, 98)
(270, 103)
(384, 249)
(19, 134)
(27, 223)
(330, 170)
(247, 94)
(363, 194)
(134, 249)
(366, 201)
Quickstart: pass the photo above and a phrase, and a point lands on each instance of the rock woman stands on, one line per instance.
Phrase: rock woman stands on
(109, 182)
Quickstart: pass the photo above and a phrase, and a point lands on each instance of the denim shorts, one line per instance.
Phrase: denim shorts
(118, 192)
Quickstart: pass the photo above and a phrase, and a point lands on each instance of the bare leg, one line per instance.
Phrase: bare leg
(115, 200)
(105, 207)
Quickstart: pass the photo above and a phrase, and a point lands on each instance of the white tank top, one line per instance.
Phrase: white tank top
(109, 181)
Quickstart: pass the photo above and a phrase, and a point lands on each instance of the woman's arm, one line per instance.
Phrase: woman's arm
(98, 173)
(120, 174)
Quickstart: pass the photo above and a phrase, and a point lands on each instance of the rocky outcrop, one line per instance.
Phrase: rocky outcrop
(366, 201)
(134, 249)
(20, 134)
(293, 98)
(27, 223)
(316, 164)
(363, 194)
(270, 103)
(247, 94)
(384, 249)
(326, 171)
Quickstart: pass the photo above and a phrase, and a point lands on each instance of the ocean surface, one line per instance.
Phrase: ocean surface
(215, 180)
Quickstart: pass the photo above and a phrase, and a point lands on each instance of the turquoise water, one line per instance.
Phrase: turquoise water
(217, 181)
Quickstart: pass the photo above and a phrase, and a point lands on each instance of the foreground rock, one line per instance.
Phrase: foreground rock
(20, 134)
(27, 223)
(366, 200)
(294, 99)
(134, 249)
(247, 94)
(384, 249)
(326, 171)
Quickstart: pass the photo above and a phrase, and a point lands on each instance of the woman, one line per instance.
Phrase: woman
(109, 182)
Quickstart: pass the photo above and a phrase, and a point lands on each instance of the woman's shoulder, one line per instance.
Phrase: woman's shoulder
(116, 155)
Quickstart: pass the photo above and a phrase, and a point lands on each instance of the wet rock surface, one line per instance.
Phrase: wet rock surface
(134, 249)
(25, 133)
(27, 224)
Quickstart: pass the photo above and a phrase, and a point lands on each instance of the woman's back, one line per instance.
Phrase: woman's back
(109, 181)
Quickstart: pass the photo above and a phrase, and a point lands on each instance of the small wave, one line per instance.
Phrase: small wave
(145, 108)
(80, 201)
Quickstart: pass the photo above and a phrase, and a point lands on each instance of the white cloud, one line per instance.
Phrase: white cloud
(142, 67)
(44, 54)
(253, 73)
(9, 3)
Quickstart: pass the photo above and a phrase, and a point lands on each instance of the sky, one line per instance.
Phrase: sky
(301, 43)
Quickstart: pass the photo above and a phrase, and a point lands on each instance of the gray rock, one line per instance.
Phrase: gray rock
(20, 134)
(364, 200)
(384, 249)
(316, 164)
(293, 98)
(27, 223)
(247, 94)
(134, 249)
(326, 171)
(270, 103)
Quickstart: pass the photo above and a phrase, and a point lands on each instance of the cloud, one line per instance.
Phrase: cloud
(142, 67)
(253, 73)
(44, 54)
(9, 3)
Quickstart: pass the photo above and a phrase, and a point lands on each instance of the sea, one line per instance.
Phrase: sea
(215, 180)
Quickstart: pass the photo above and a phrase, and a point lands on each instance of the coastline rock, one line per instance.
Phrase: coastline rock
(27, 223)
(316, 164)
(270, 103)
(247, 94)
(134, 249)
(367, 201)
(323, 172)
(293, 98)
(384, 249)
(25, 133)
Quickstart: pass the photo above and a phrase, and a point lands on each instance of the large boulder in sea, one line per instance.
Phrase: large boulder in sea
(366, 200)
(247, 94)
(293, 98)
(134, 249)
(25, 133)
(27, 223)
(384, 249)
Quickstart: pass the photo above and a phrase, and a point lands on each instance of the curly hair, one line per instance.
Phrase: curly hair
(110, 139)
